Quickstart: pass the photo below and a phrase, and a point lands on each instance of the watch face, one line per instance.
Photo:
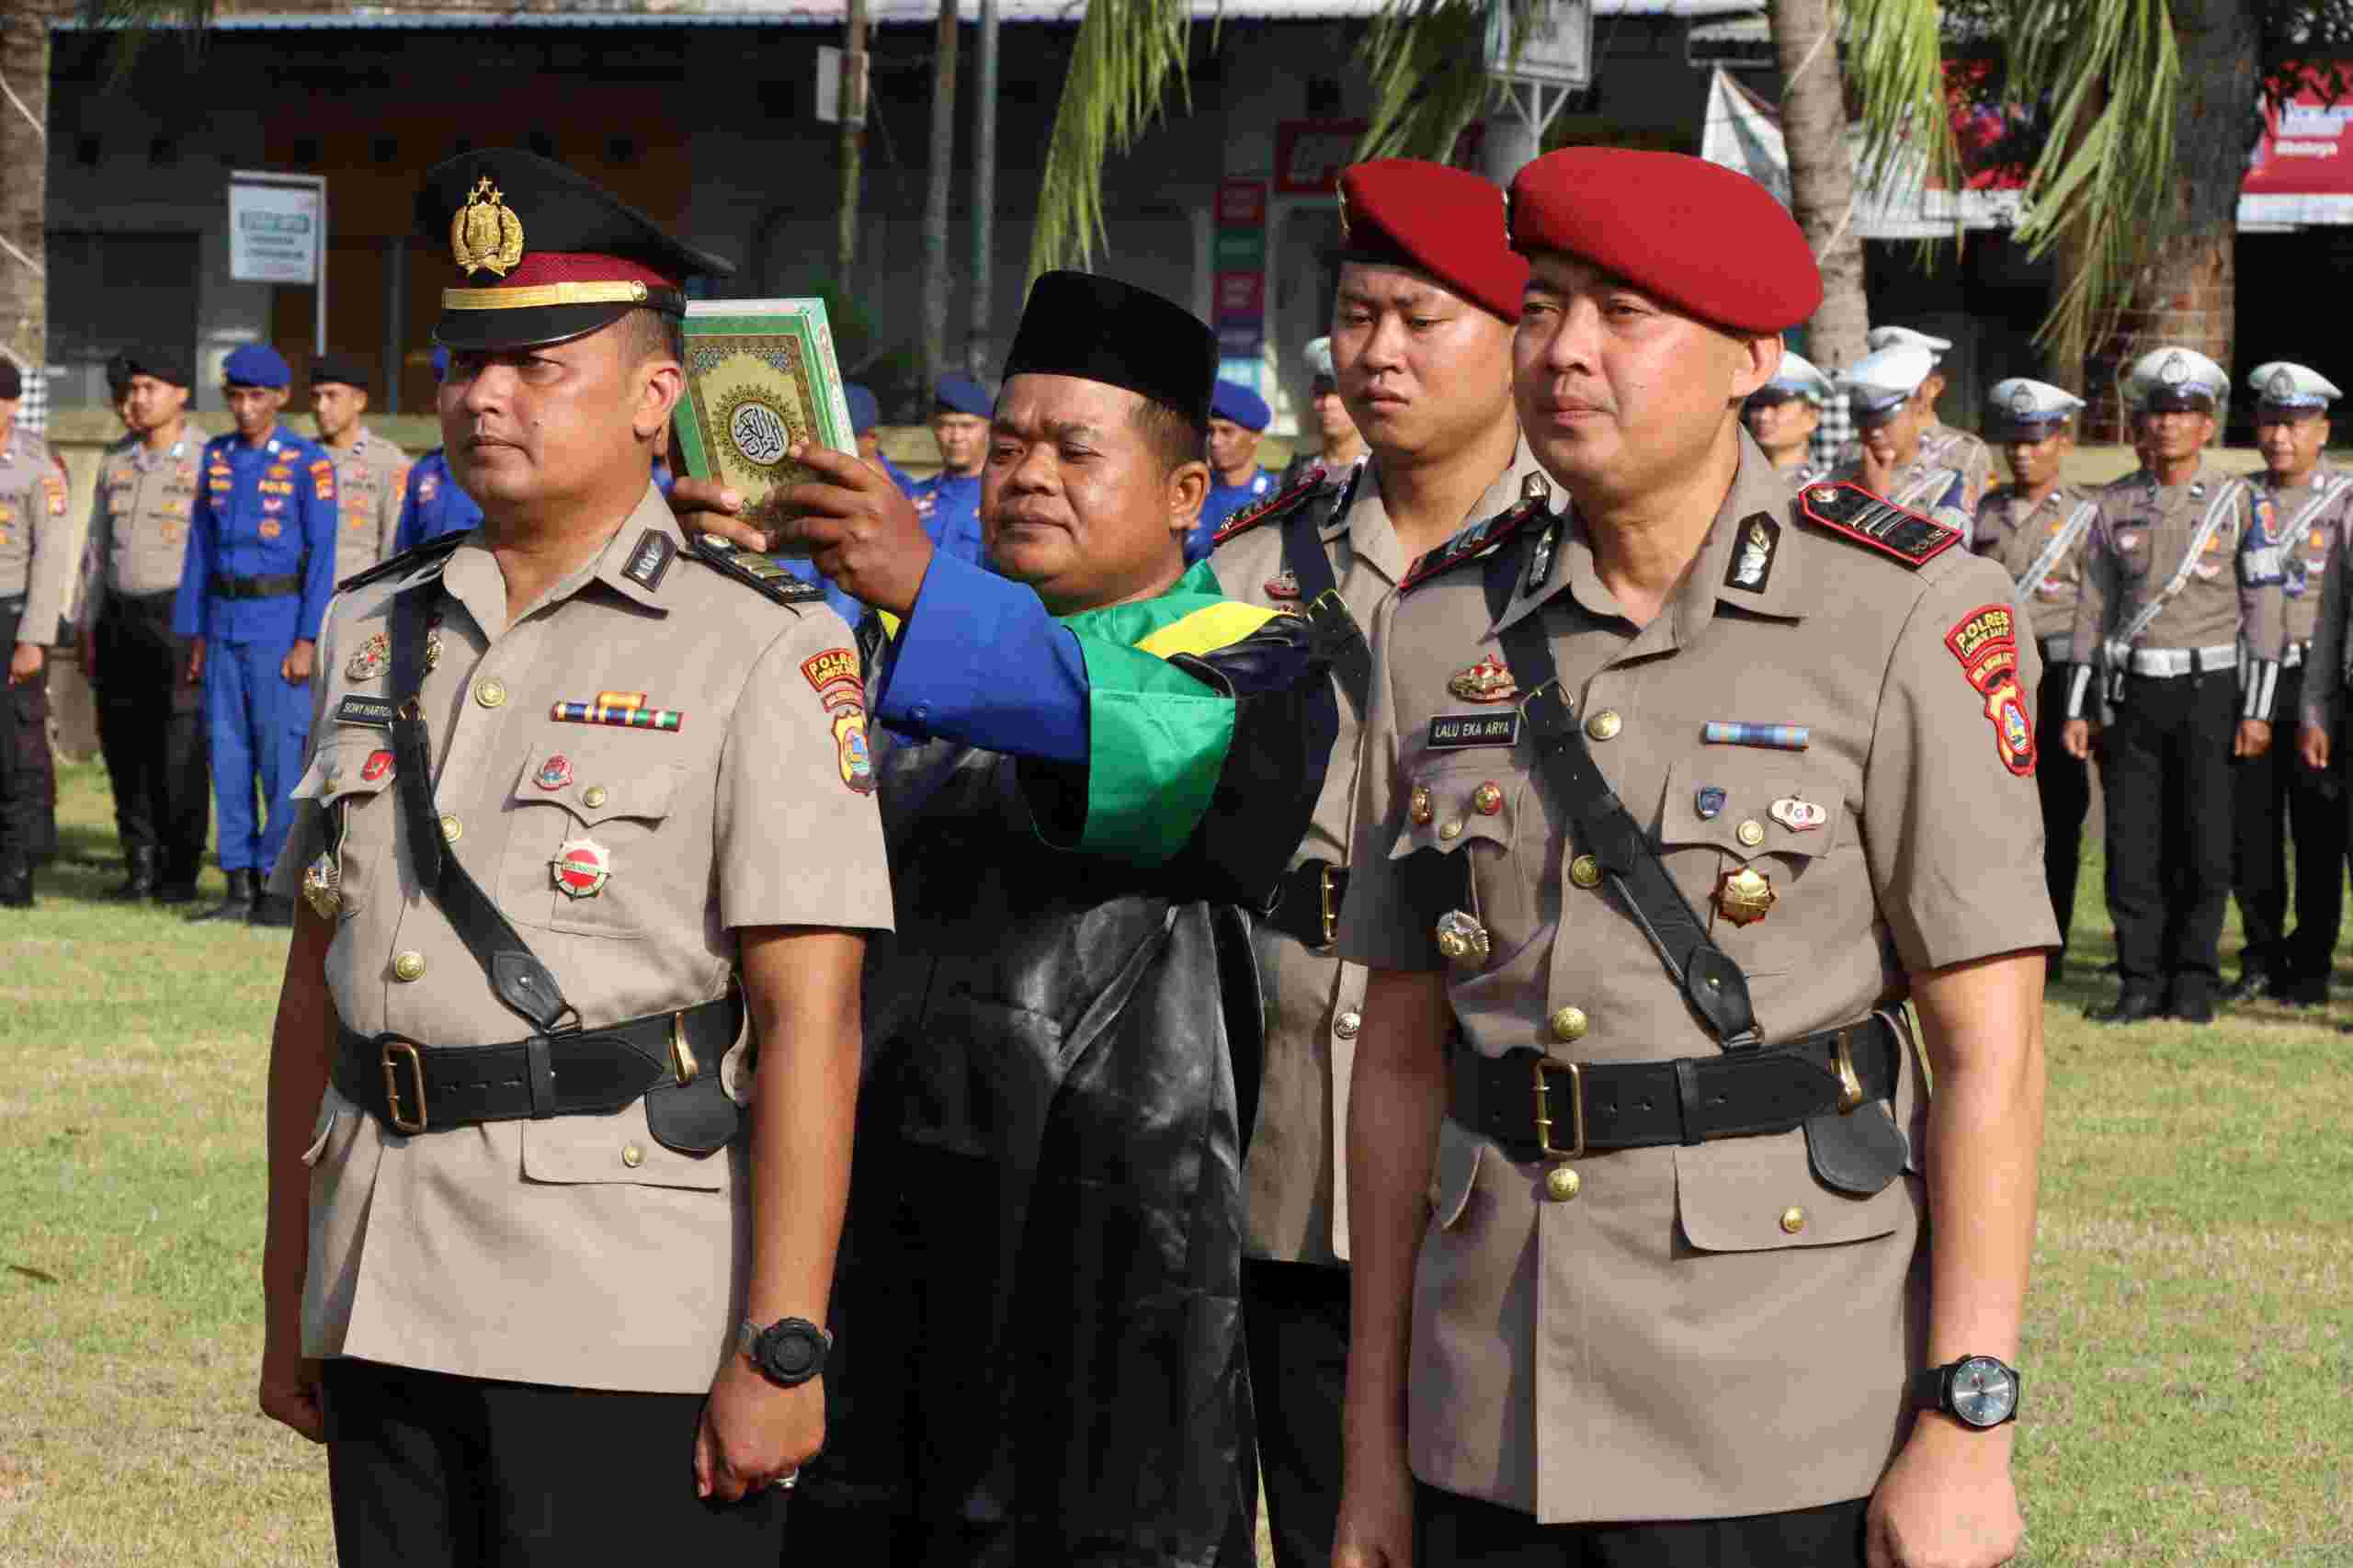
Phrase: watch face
(1984, 1392)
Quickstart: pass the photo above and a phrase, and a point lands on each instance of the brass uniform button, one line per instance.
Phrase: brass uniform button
(633, 1157)
(594, 796)
(490, 692)
(1421, 809)
(1604, 726)
(452, 829)
(408, 966)
(1585, 871)
(1452, 828)
(1562, 1183)
(1793, 1219)
(1347, 1024)
(1569, 1023)
(1751, 833)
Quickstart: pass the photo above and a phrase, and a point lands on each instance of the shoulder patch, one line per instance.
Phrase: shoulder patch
(1475, 541)
(757, 573)
(1850, 509)
(1258, 512)
(434, 552)
(648, 562)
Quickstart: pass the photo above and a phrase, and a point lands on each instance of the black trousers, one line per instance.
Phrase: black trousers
(1296, 1318)
(2166, 777)
(28, 775)
(1450, 1528)
(2278, 798)
(2066, 786)
(151, 727)
(424, 1470)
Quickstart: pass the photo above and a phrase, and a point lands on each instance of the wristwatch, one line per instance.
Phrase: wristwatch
(789, 1352)
(1977, 1391)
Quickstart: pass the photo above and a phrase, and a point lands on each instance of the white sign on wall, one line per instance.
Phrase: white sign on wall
(1557, 53)
(274, 231)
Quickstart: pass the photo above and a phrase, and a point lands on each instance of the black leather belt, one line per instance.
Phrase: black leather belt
(271, 587)
(411, 1088)
(1534, 1108)
(1307, 904)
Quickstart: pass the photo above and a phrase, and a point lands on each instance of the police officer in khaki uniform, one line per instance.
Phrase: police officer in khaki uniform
(548, 1247)
(371, 474)
(1640, 1266)
(1421, 352)
(2178, 633)
(2034, 527)
(151, 721)
(1941, 443)
(1887, 389)
(36, 575)
(1784, 413)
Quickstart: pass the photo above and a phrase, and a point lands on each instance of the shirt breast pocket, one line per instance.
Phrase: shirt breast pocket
(2131, 551)
(351, 782)
(1464, 819)
(1745, 835)
(583, 853)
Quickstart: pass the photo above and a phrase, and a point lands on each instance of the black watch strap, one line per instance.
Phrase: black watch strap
(789, 1352)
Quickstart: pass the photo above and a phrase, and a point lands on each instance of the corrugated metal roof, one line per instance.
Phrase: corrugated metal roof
(829, 13)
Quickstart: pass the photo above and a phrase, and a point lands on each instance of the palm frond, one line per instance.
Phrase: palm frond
(1426, 60)
(1125, 55)
(133, 23)
(1896, 61)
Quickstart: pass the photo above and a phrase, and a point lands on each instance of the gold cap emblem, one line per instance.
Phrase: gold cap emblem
(484, 233)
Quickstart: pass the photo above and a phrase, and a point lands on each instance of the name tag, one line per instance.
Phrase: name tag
(1452, 732)
(375, 713)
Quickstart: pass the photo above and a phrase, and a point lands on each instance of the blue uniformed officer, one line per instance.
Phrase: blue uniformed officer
(949, 501)
(1238, 417)
(865, 423)
(260, 570)
(433, 505)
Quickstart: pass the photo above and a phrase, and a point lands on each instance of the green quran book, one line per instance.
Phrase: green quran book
(761, 376)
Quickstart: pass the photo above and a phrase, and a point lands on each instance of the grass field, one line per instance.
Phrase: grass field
(2189, 1344)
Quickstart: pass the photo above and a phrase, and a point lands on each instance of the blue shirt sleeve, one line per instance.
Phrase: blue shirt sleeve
(978, 660)
(319, 519)
(188, 606)
(404, 535)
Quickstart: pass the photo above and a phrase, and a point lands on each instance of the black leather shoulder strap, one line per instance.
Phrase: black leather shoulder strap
(1711, 982)
(1337, 634)
(516, 973)
(757, 573)
(438, 548)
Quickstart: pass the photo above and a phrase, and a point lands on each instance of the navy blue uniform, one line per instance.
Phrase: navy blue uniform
(432, 505)
(1223, 502)
(950, 504)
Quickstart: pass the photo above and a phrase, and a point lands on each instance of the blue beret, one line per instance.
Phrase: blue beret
(257, 365)
(962, 395)
(864, 413)
(441, 363)
(1240, 405)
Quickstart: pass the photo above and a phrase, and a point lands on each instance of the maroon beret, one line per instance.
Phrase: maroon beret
(1448, 224)
(1704, 238)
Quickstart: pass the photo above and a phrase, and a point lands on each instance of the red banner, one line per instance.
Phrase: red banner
(2305, 150)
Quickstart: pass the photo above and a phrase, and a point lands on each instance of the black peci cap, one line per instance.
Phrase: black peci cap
(1099, 329)
(548, 255)
(341, 368)
(160, 364)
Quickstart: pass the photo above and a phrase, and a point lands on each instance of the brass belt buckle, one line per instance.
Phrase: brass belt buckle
(1331, 910)
(1850, 1083)
(1543, 1111)
(393, 1051)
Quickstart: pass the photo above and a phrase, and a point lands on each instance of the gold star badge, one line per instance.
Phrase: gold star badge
(485, 233)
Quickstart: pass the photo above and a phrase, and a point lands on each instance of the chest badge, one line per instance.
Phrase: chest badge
(270, 527)
(1489, 680)
(1460, 938)
(580, 868)
(1798, 816)
(1746, 896)
(378, 763)
(1709, 801)
(554, 773)
(1419, 808)
(1487, 799)
(369, 659)
(323, 887)
(1284, 587)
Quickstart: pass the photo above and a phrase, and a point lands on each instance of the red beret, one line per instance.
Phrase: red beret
(1704, 238)
(1449, 223)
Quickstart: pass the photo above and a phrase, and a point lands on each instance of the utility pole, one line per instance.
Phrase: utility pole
(936, 284)
(981, 355)
(853, 143)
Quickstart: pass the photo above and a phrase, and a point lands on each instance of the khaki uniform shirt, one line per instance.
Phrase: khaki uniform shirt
(2015, 536)
(370, 475)
(2327, 597)
(1295, 1173)
(1928, 484)
(139, 519)
(2311, 518)
(575, 1251)
(1965, 455)
(2139, 540)
(1705, 1331)
(34, 562)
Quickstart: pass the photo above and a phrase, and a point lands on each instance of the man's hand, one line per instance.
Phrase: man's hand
(2311, 740)
(194, 675)
(296, 666)
(1877, 476)
(2077, 738)
(707, 507)
(1376, 1523)
(289, 1390)
(2252, 740)
(857, 528)
(1946, 1502)
(754, 1433)
(25, 665)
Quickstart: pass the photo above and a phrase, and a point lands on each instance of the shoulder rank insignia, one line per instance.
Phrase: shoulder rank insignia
(1259, 512)
(757, 572)
(1847, 508)
(1477, 541)
(433, 551)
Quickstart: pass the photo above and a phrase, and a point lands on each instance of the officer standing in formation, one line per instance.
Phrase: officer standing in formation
(2176, 646)
(1888, 391)
(1940, 442)
(2312, 501)
(949, 501)
(1339, 444)
(2036, 528)
(1784, 413)
(150, 720)
(865, 417)
(259, 571)
(1668, 795)
(371, 474)
(561, 1300)
(1237, 418)
(1421, 350)
(36, 575)
(431, 503)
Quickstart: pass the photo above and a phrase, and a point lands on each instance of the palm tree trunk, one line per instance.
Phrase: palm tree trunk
(1822, 174)
(853, 145)
(24, 184)
(936, 285)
